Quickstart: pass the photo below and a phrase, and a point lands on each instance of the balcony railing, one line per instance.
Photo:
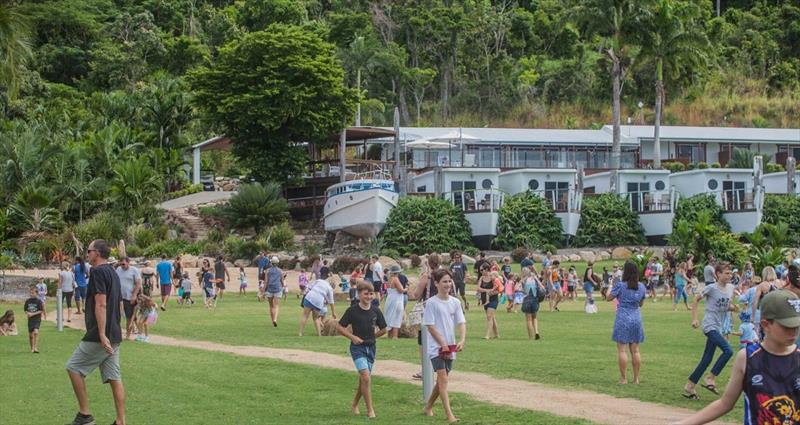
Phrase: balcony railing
(476, 200)
(649, 202)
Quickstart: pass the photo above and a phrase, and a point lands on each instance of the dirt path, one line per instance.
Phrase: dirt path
(599, 408)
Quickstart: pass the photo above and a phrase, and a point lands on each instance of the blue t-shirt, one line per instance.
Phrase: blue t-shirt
(526, 262)
(748, 332)
(263, 263)
(80, 277)
(164, 270)
(208, 280)
(274, 284)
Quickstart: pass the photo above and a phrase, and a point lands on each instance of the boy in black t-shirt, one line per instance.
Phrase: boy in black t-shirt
(33, 309)
(363, 317)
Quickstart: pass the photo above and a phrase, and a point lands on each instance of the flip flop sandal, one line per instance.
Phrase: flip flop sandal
(712, 388)
(690, 396)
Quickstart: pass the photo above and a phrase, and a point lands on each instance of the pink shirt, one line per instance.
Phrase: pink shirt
(509, 287)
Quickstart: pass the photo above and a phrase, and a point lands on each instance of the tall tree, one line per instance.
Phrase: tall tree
(15, 47)
(271, 91)
(675, 44)
(618, 24)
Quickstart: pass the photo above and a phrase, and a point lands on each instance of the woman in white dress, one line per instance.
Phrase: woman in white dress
(393, 310)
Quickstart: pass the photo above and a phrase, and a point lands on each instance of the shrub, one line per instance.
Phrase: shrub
(689, 208)
(391, 253)
(425, 225)
(416, 261)
(134, 251)
(256, 206)
(550, 248)
(171, 248)
(525, 219)
(783, 209)
(277, 238)
(144, 236)
(702, 165)
(195, 188)
(675, 167)
(472, 251)
(716, 165)
(103, 225)
(607, 220)
(691, 166)
(773, 168)
(346, 264)
(517, 254)
(701, 235)
(236, 247)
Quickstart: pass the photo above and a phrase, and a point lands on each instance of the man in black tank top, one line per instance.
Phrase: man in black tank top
(767, 373)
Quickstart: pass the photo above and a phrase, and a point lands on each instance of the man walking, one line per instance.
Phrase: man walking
(459, 271)
(100, 345)
(220, 273)
(164, 271)
(130, 281)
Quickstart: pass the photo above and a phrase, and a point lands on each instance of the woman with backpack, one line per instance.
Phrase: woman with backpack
(628, 329)
(534, 294)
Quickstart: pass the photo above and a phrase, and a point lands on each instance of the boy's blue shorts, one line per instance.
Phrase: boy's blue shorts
(363, 356)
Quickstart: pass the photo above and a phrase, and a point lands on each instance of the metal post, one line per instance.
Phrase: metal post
(427, 368)
(59, 311)
(342, 153)
(396, 168)
(196, 166)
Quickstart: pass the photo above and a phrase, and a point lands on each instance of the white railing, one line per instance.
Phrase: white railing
(476, 200)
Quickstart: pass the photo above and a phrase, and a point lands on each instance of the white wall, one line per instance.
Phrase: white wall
(517, 181)
(600, 181)
(424, 179)
(777, 182)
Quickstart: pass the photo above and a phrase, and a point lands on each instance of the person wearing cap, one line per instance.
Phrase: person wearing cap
(394, 311)
(275, 283)
(768, 373)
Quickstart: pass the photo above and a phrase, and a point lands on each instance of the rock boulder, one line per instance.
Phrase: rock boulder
(621, 253)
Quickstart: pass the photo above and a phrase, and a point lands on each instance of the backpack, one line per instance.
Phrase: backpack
(540, 293)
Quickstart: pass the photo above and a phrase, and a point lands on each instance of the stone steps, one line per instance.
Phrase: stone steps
(193, 226)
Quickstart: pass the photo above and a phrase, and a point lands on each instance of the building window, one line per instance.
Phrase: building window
(792, 150)
(640, 197)
(557, 194)
(691, 152)
(713, 184)
(733, 196)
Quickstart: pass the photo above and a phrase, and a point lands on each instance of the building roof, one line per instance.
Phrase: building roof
(518, 136)
(711, 134)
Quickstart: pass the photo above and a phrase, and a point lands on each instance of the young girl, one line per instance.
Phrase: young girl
(519, 294)
(747, 332)
(242, 282)
(302, 281)
(572, 280)
(344, 284)
(555, 293)
(8, 325)
(511, 282)
(146, 316)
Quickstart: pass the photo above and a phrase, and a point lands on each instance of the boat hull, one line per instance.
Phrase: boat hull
(569, 222)
(484, 227)
(361, 213)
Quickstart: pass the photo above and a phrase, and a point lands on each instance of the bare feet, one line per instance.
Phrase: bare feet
(371, 415)
(428, 411)
(636, 381)
(452, 419)
(355, 410)
(623, 381)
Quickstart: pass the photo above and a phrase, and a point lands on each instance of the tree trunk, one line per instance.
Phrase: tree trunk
(659, 103)
(358, 105)
(446, 90)
(616, 76)
(403, 105)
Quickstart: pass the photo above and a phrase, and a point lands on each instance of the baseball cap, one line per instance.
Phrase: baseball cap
(782, 307)
(274, 259)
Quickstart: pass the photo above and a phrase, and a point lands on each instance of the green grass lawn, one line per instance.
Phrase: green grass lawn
(576, 350)
(169, 385)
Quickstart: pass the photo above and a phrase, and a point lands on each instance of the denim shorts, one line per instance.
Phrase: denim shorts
(363, 356)
(491, 304)
(80, 293)
(439, 363)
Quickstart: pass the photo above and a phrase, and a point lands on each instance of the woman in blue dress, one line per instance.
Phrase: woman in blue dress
(628, 329)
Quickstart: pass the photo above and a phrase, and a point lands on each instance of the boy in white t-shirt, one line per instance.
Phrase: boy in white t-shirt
(440, 319)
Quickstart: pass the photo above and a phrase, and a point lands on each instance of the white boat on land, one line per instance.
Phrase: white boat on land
(360, 207)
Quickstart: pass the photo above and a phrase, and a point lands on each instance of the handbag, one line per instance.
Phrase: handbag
(527, 302)
(415, 316)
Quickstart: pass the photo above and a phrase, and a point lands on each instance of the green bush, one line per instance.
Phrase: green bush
(472, 251)
(689, 208)
(256, 206)
(675, 167)
(691, 166)
(346, 264)
(702, 165)
(701, 236)
(391, 253)
(418, 225)
(237, 247)
(716, 165)
(784, 209)
(103, 225)
(773, 168)
(416, 261)
(525, 220)
(144, 236)
(607, 220)
(195, 188)
(277, 238)
(171, 248)
(550, 248)
(517, 254)
(134, 251)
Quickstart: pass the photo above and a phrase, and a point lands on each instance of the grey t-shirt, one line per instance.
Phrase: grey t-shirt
(718, 302)
(186, 285)
(67, 281)
(127, 281)
(708, 274)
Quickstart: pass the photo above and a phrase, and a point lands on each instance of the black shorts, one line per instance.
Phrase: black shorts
(439, 363)
(67, 297)
(419, 338)
(461, 288)
(33, 325)
(378, 287)
(221, 284)
(128, 308)
(186, 294)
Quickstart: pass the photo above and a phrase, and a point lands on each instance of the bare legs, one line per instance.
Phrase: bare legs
(33, 339)
(533, 325)
(274, 304)
(394, 333)
(440, 391)
(622, 356)
(364, 389)
(317, 321)
(491, 324)
(117, 391)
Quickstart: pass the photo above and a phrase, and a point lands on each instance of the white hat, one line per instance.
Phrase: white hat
(274, 260)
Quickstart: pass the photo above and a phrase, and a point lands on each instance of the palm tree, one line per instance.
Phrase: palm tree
(15, 47)
(619, 24)
(256, 206)
(135, 185)
(675, 44)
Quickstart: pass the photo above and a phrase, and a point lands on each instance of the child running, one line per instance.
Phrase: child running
(208, 290)
(441, 318)
(767, 373)
(363, 317)
(511, 281)
(302, 282)
(747, 332)
(34, 309)
(145, 317)
(186, 286)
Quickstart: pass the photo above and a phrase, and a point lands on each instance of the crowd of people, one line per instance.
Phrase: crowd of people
(768, 307)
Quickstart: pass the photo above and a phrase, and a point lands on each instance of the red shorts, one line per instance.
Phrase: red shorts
(166, 290)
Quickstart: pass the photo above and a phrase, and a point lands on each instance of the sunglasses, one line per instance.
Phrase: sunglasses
(90, 250)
